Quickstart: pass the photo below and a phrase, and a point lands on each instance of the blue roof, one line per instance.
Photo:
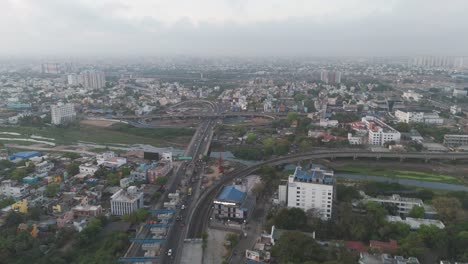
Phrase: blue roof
(231, 193)
(25, 155)
(304, 175)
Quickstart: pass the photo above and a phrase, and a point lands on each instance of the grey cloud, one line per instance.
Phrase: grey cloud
(71, 27)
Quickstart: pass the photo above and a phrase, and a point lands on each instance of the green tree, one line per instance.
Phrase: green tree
(402, 127)
(291, 219)
(52, 189)
(296, 247)
(18, 174)
(161, 181)
(251, 138)
(73, 169)
(417, 212)
(292, 116)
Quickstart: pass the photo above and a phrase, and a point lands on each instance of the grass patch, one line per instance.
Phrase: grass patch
(402, 174)
(115, 134)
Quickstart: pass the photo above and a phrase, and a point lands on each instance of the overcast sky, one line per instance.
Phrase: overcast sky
(234, 27)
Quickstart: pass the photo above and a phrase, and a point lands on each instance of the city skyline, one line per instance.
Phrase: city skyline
(234, 28)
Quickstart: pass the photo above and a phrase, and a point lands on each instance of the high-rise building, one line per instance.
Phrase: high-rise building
(310, 190)
(330, 77)
(92, 79)
(126, 202)
(62, 113)
(50, 68)
(72, 79)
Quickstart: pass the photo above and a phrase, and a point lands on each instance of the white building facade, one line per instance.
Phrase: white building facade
(310, 190)
(379, 132)
(126, 201)
(62, 114)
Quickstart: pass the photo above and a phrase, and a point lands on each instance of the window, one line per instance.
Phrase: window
(298, 191)
(297, 204)
(298, 188)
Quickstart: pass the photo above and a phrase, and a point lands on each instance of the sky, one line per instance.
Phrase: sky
(234, 27)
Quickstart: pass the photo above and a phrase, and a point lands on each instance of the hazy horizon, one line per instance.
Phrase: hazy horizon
(233, 28)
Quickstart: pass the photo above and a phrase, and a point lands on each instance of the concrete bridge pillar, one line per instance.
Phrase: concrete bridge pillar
(402, 159)
(354, 157)
(378, 157)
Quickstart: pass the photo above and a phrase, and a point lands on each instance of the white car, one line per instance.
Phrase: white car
(169, 252)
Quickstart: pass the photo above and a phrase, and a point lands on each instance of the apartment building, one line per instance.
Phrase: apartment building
(455, 140)
(126, 201)
(380, 133)
(62, 113)
(310, 190)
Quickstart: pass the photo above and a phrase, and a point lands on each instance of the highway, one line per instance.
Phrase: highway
(176, 233)
(203, 205)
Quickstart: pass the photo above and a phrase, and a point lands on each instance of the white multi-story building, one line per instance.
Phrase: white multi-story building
(310, 190)
(92, 79)
(455, 140)
(459, 93)
(73, 79)
(379, 132)
(403, 205)
(409, 117)
(126, 202)
(418, 117)
(9, 189)
(88, 168)
(356, 139)
(62, 113)
(43, 168)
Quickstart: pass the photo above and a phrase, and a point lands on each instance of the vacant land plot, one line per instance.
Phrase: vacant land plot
(114, 134)
(98, 123)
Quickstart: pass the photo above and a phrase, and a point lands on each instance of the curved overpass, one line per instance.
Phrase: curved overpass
(196, 115)
(202, 209)
(193, 101)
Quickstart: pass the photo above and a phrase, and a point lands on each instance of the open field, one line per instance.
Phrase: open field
(98, 123)
(403, 174)
(114, 134)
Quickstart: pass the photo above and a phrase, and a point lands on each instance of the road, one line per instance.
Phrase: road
(176, 234)
(203, 205)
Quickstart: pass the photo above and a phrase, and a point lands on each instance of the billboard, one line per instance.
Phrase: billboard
(151, 155)
(252, 255)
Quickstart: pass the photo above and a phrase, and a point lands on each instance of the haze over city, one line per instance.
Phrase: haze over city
(230, 28)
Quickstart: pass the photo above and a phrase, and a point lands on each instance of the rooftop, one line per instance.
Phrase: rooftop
(231, 193)
(316, 175)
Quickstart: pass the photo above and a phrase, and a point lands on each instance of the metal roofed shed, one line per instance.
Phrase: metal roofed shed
(231, 193)
(24, 155)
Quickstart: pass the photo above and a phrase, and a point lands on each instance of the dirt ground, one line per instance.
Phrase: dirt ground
(434, 166)
(260, 120)
(211, 177)
(98, 123)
